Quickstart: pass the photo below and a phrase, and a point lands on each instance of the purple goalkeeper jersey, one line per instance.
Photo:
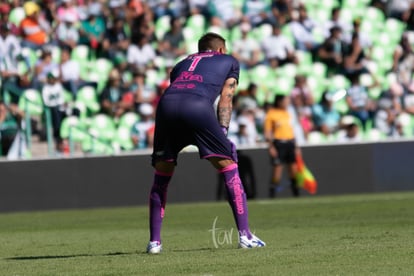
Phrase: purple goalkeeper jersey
(185, 113)
(203, 74)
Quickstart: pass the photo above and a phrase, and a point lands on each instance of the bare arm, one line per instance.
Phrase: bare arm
(225, 104)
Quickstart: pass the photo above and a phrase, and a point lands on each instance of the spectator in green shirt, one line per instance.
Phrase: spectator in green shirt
(10, 117)
(93, 29)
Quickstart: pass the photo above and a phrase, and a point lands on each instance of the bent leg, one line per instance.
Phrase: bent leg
(158, 197)
(235, 193)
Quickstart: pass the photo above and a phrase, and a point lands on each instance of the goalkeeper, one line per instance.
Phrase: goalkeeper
(185, 116)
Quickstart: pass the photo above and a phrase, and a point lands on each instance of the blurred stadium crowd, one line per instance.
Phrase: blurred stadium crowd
(89, 73)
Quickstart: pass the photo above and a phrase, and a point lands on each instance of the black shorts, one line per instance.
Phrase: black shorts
(281, 61)
(286, 153)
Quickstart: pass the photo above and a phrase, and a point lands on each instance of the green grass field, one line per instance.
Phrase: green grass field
(335, 235)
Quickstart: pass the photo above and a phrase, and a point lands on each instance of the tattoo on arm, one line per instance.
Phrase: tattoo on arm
(233, 85)
(226, 106)
(224, 114)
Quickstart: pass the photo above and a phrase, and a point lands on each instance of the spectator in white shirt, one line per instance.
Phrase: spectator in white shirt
(336, 21)
(70, 73)
(350, 134)
(302, 30)
(246, 49)
(257, 12)
(278, 49)
(141, 54)
(67, 33)
(54, 98)
(43, 66)
(226, 11)
(142, 131)
(400, 9)
(247, 134)
(10, 56)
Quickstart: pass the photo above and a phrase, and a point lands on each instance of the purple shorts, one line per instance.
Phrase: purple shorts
(189, 119)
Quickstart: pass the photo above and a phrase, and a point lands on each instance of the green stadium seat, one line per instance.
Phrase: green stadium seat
(282, 86)
(162, 25)
(288, 70)
(353, 4)
(321, 14)
(311, 4)
(31, 102)
(160, 62)
(87, 96)
(80, 53)
(374, 15)
(102, 132)
(366, 79)
(97, 146)
(56, 52)
(238, 4)
(123, 138)
(235, 33)
(338, 82)
(103, 66)
(316, 137)
(384, 39)
(262, 75)
(262, 31)
(287, 31)
(341, 106)
(103, 127)
(383, 57)
(128, 119)
(317, 86)
(17, 15)
(348, 15)
(225, 33)
(394, 28)
(374, 135)
(31, 54)
(153, 76)
(74, 129)
(197, 23)
(305, 62)
(244, 79)
(327, 4)
(407, 122)
(319, 70)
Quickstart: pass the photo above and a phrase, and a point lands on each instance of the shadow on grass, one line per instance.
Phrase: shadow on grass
(28, 258)
(46, 257)
(212, 249)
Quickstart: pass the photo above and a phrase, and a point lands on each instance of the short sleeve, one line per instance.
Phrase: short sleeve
(234, 70)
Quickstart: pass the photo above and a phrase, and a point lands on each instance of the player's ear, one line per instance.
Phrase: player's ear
(222, 50)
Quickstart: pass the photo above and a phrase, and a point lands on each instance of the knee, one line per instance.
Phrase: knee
(221, 163)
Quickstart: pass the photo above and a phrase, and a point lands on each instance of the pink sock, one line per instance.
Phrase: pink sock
(237, 198)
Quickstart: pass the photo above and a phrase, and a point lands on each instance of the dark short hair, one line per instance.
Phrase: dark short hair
(336, 9)
(351, 126)
(335, 28)
(173, 19)
(278, 99)
(67, 49)
(211, 41)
